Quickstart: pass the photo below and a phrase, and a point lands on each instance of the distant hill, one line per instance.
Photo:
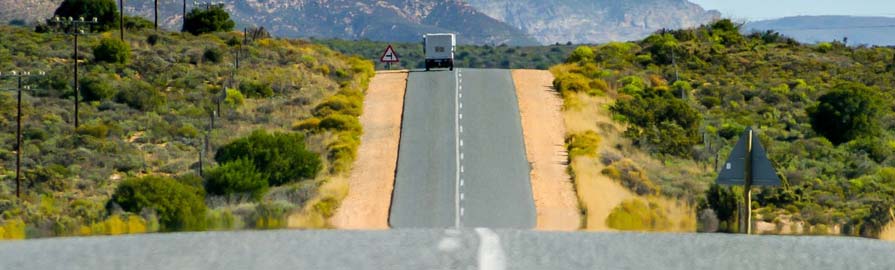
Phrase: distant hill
(387, 20)
(812, 29)
(594, 21)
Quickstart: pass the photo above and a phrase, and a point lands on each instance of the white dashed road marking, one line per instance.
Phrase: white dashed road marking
(491, 256)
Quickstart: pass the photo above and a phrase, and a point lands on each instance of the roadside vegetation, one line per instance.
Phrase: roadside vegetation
(678, 101)
(156, 104)
(467, 56)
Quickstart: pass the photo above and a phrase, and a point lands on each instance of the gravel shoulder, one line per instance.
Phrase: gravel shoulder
(544, 132)
(373, 175)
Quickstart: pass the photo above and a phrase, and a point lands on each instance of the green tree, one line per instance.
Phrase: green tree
(850, 111)
(236, 177)
(215, 19)
(105, 11)
(722, 201)
(112, 50)
(281, 157)
(662, 47)
(179, 206)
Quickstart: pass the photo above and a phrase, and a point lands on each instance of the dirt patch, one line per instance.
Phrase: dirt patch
(373, 174)
(544, 134)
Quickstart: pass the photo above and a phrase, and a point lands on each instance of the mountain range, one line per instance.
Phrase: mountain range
(813, 29)
(595, 21)
(514, 22)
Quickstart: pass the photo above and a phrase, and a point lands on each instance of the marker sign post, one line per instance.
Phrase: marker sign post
(389, 56)
(748, 165)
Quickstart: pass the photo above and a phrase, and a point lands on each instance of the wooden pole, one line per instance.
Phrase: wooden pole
(19, 142)
(77, 92)
(156, 15)
(121, 18)
(747, 188)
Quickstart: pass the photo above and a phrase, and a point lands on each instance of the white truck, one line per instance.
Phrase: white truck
(439, 50)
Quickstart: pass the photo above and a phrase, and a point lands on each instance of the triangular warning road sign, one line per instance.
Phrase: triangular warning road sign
(734, 170)
(389, 56)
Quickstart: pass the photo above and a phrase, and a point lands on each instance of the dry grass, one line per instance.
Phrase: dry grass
(599, 194)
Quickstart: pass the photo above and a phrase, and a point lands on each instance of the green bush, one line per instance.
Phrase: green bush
(343, 151)
(850, 111)
(236, 177)
(341, 122)
(339, 103)
(94, 88)
(723, 203)
(112, 50)
(583, 144)
(634, 215)
(142, 96)
(105, 11)
(97, 130)
(632, 177)
(571, 82)
(281, 157)
(213, 55)
(660, 122)
(582, 54)
(200, 21)
(256, 89)
(179, 206)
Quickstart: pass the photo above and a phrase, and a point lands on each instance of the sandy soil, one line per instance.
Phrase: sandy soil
(544, 134)
(888, 232)
(373, 174)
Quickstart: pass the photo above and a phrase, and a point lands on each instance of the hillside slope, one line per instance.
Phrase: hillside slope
(391, 20)
(594, 21)
(813, 29)
(672, 146)
(152, 116)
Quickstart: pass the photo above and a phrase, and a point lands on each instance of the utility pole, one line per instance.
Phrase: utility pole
(676, 76)
(121, 18)
(156, 15)
(76, 31)
(184, 14)
(19, 76)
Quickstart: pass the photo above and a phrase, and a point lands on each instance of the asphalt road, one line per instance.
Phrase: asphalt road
(462, 161)
(445, 249)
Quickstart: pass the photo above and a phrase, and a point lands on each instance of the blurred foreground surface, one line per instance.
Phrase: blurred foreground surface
(446, 249)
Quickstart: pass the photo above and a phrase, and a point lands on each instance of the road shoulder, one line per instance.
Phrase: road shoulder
(373, 175)
(544, 131)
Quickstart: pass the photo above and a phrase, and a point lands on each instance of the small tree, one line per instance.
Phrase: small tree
(236, 177)
(105, 11)
(850, 111)
(179, 206)
(200, 21)
(112, 50)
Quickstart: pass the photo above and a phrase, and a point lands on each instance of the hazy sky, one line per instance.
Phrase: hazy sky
(769, 9)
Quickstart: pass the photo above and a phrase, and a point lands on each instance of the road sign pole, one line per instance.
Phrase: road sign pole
(747, 188)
